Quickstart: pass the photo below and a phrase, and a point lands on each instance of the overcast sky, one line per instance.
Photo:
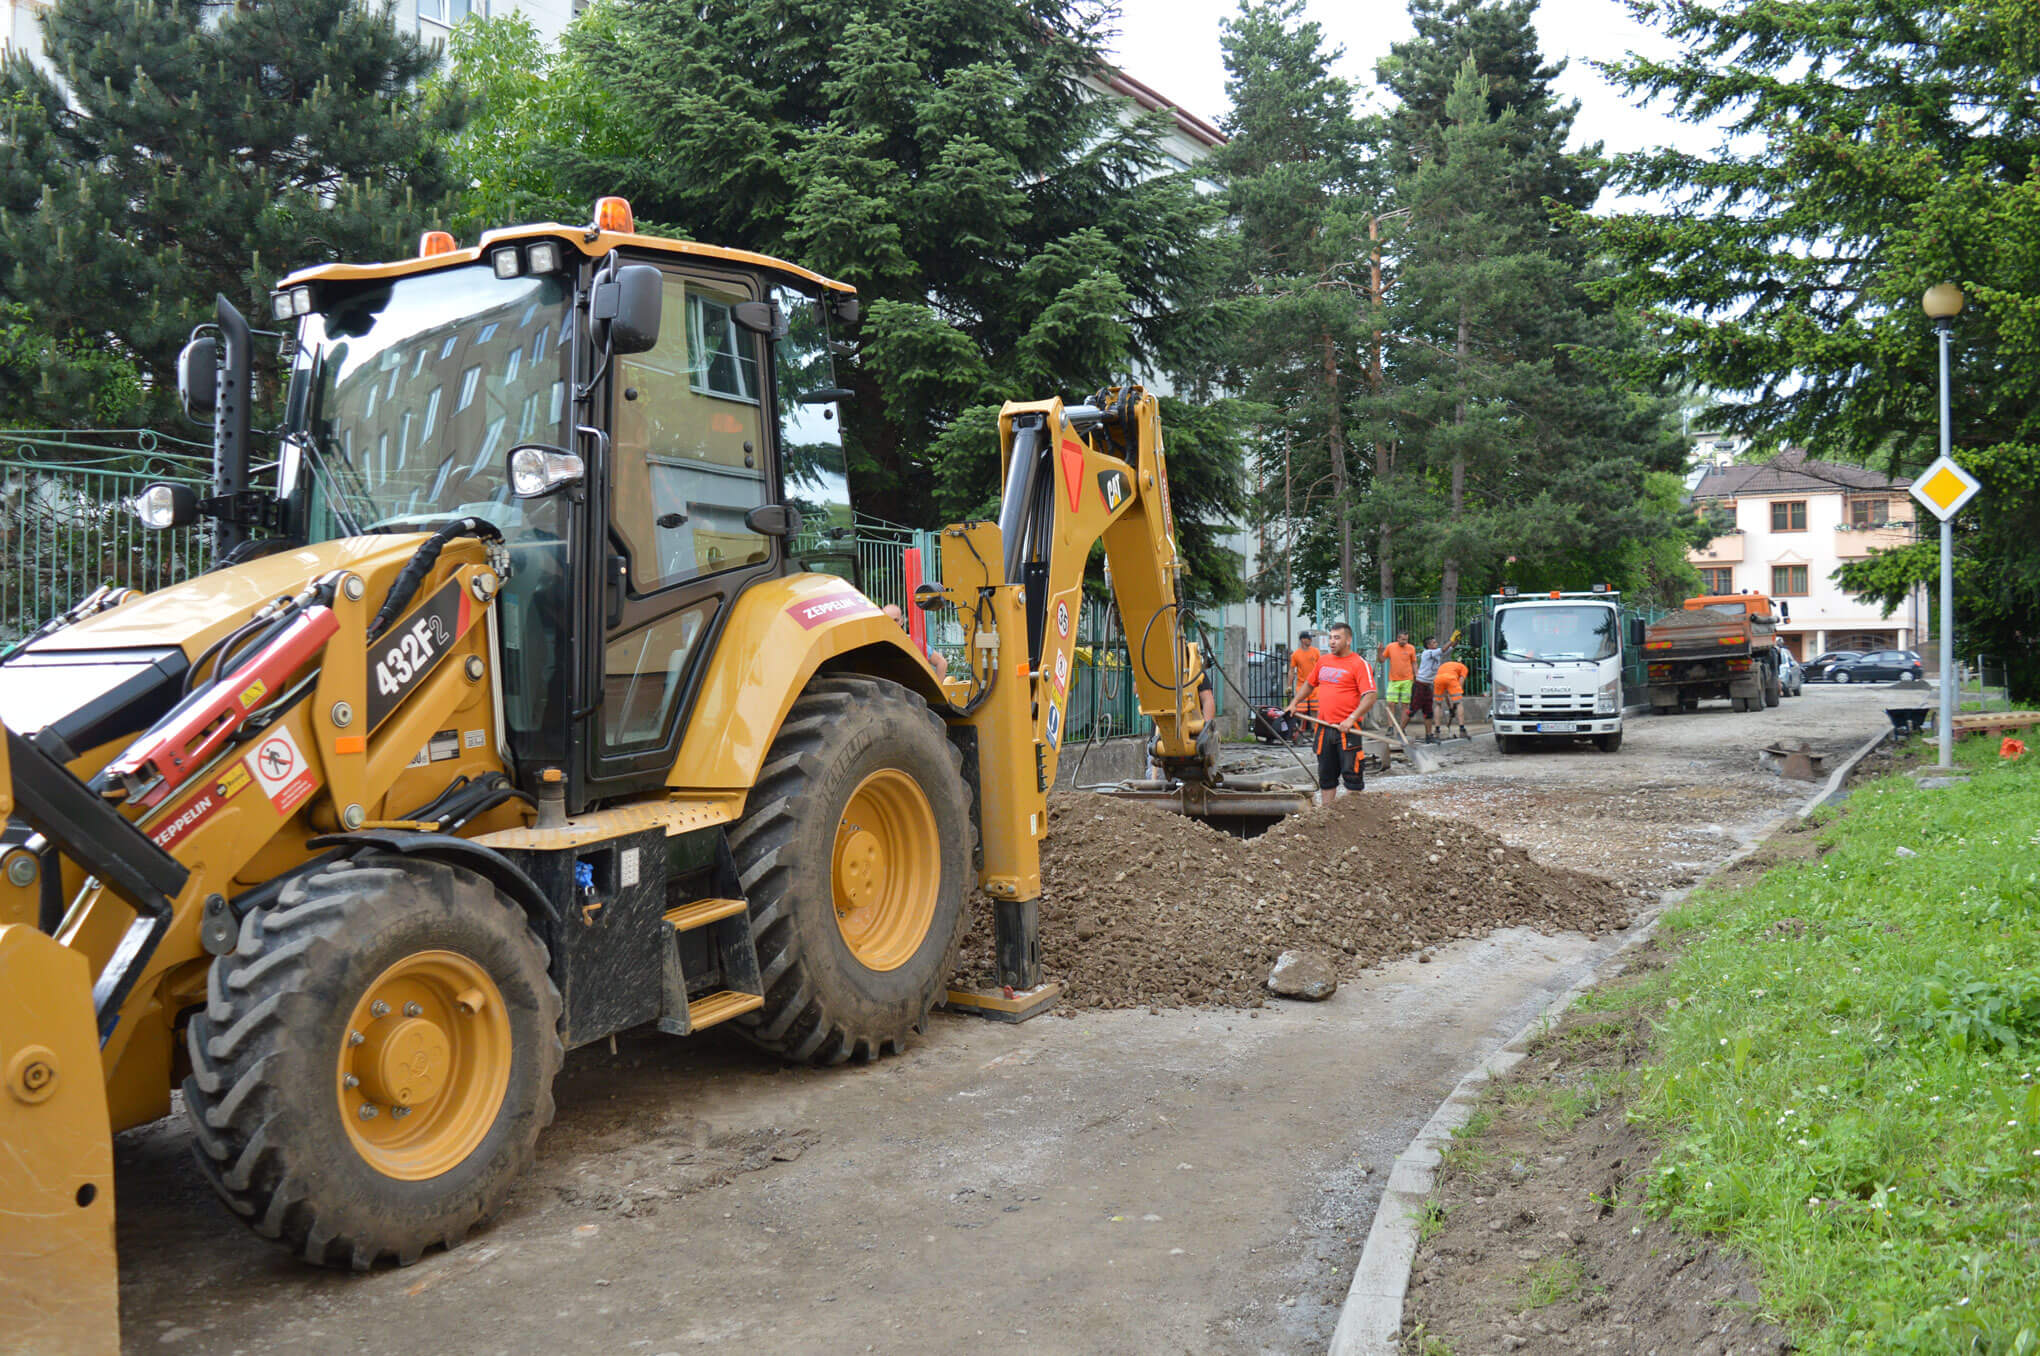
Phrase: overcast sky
(1173, 46)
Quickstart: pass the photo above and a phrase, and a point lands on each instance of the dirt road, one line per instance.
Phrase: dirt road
(1193, 1180)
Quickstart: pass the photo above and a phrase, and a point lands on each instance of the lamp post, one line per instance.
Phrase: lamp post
(1942, 303)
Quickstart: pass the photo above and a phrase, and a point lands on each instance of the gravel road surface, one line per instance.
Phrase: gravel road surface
(1194, 1180)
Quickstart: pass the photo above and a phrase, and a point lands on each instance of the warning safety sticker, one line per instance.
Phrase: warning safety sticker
(280, 769)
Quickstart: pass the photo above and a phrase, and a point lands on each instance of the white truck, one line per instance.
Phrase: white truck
(1555, 666)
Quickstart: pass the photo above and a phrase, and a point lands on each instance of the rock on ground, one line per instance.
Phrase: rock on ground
(1303, 974)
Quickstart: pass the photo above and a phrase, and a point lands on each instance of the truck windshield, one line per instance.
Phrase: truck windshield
(406, 397)
(1583, 632)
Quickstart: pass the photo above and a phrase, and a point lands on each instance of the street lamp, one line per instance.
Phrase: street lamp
(1942, 303)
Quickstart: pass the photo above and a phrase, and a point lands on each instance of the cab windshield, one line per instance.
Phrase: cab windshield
(1531, 633)
(405, 398)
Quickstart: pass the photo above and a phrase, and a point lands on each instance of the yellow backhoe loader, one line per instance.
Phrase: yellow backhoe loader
(534, 700)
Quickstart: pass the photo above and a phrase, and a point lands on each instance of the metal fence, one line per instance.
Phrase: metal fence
(66, 522)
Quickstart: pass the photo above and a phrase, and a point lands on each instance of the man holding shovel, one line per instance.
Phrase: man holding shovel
(1344, 687)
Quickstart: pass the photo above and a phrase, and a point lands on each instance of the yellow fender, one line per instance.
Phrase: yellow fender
(779, 635)
(59, 1285)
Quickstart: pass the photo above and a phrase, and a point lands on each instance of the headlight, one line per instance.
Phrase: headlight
(1505, 699)
(1610, 700)
(163, 505)
(537, 470)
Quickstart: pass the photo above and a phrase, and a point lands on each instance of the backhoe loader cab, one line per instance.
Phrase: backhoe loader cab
(530, 705)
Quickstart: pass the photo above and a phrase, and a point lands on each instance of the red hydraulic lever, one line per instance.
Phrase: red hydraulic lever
(173, 752)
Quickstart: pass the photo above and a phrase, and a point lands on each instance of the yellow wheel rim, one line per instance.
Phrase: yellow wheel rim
(424, 1064)
(887, 870)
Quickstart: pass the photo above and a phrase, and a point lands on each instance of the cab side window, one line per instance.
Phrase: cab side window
(688, 444)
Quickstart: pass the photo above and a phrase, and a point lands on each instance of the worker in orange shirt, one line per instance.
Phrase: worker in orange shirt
(1347, 686)
(1303, 662)
(1399, 657)
(1451, 687)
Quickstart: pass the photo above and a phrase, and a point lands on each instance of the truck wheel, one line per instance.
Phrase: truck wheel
(855, 854)
(374, 1062)
(1608, 743)
(1774, 690)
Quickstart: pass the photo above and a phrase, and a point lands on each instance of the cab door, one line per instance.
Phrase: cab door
(690, 458)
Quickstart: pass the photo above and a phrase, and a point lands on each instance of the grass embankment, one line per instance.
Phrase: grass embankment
(1846, 1072)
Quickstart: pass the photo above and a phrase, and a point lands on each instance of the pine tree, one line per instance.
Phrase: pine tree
(185, 150)
(1498, 36)
(1556, 439)
(1296, 179)
(1011, 234)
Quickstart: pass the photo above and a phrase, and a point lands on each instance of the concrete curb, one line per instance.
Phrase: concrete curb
(1370, 1321)
(1841, 774)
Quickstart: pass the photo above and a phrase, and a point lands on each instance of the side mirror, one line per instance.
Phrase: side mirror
(762, 317)
(198, 376)
(1636, 630)
(1476, 635)
(774, 520)
(1784, 610)
(537, 470)
(847, 310)
(630, 300)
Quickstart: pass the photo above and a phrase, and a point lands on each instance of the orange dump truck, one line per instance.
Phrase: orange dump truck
(1718, 646)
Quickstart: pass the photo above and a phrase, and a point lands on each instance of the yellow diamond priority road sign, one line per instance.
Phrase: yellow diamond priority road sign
(1945, 487)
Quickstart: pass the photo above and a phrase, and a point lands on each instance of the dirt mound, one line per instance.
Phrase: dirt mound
(1144, 908)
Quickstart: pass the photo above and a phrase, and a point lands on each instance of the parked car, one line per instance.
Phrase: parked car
(1879, 666)
(1822, 668)
(1791, 675)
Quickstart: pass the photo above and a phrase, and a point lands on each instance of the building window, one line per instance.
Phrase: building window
(1788, 515)
(1788, 581)
(1868, 513)
(1717, 581)
(448, 12)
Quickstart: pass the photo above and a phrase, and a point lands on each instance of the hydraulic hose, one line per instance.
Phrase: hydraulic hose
(413, 574)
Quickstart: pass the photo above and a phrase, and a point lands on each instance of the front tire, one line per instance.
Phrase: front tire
(855, 854)
(1839, 676)
(1608, 743)
(374, 1062)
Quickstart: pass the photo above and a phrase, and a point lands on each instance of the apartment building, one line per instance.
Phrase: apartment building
(1796, 521)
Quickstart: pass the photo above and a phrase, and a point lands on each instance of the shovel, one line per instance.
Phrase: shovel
(1423, 760)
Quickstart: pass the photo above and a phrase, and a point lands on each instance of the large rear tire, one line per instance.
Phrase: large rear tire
(855, 854)
(374, 1062)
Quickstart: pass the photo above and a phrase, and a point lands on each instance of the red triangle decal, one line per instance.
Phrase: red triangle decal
(1073, 470)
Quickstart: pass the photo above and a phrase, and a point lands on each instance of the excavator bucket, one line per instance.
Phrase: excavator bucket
(1242, 809)
(59, 1286)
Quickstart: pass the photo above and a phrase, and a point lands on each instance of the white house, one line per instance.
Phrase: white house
(1796, 521)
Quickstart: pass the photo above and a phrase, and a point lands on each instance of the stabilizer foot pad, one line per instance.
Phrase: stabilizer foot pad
(1004, 1005)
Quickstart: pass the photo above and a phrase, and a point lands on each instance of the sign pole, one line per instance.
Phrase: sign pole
(1947, 722)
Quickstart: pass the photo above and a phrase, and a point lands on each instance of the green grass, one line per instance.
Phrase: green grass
(1430, 1220)
(1552, 1280)
(1856, 1105)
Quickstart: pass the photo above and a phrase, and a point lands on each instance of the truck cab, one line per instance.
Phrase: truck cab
(1556, 667)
